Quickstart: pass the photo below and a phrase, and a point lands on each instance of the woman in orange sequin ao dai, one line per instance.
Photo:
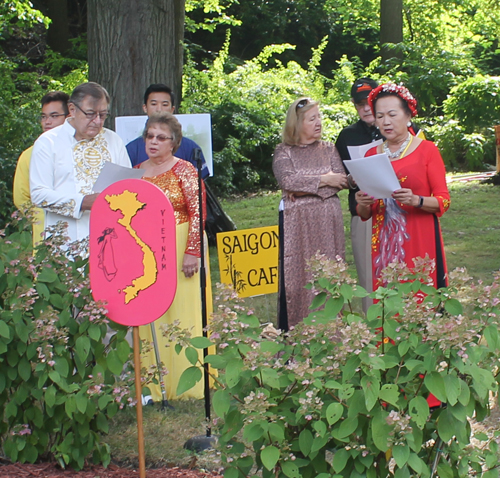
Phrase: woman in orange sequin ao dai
(179, 180)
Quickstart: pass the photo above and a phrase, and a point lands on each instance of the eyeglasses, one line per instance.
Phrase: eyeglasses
(52, 116)
(161, 138)
(92, 116)
(302, 103)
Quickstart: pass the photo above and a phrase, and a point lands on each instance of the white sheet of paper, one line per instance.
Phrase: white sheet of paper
(111, 173)
(356, 152)
(374, 175)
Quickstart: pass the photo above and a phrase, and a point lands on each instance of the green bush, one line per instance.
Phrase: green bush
(429, 73)
(59, 378)
(475, 103)
(344, 395)
(248, 105)
(19, 112)
(466, 135)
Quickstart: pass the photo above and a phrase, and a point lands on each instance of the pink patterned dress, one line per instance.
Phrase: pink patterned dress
(312, 222)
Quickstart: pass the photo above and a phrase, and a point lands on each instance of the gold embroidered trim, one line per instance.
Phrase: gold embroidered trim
(65, 209)
(89, 157)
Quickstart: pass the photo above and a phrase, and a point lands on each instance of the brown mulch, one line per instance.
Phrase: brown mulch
(49, 470)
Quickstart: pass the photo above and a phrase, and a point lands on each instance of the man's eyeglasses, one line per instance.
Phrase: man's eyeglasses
(302, 103)
(92, 116)
(52, 116)
(161, 138)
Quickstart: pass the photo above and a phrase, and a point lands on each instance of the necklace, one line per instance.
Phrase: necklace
(401, 149)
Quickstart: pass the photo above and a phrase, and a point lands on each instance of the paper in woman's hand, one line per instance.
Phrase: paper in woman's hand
(356, 152)
(374, 175)
(111, 173)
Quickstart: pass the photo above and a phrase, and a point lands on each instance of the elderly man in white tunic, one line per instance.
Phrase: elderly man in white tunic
(67, 160)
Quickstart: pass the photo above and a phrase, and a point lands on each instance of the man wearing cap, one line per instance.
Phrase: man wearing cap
(67, 160)
(357, 134)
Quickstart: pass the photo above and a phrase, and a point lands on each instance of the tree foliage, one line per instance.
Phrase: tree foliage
(214, 15)
(24, 78)
(248, 106)
(350, 26)
(19, 14)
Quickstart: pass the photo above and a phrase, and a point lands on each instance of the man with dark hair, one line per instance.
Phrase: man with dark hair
(159, 97)
(52, 104)
(160, 88)
(67, 160)
(357, 134)
(54, 112)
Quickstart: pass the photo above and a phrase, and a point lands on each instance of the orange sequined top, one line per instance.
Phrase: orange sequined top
(180, 184)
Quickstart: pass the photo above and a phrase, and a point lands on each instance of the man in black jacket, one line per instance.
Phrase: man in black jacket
(360, 133)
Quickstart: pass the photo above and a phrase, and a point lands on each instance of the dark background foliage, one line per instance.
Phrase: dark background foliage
(448, 59)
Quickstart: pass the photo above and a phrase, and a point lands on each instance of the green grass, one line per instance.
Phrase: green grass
(261, 210)
(165, 433)
(471, 233)
(471, 229)
(258, 210)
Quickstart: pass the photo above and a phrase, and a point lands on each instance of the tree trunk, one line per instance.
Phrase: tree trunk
(133, 43)
(58, 34)
(391, 25)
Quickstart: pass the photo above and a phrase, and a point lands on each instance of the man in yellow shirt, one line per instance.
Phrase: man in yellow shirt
(54, 112)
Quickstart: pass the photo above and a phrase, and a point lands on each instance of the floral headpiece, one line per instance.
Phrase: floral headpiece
(398, 90)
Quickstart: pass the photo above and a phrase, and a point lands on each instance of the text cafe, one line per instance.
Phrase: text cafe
(248, 259)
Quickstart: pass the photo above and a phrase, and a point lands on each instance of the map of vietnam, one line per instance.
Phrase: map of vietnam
(128, 204)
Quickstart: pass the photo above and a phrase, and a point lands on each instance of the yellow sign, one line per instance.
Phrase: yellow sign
(248, 259)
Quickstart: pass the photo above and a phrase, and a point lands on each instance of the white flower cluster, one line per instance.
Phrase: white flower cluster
(400, 427)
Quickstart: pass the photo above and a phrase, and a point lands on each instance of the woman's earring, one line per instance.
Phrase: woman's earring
(408, 124)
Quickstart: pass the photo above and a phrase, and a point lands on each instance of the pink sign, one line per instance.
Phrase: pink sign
(132, 251)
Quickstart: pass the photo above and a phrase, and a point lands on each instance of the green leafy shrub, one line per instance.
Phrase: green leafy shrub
(475, 103)
(467, 136)
(59, 375)
(428, 72)
(343, 395)
(447, 135)
(248, 105)
(19, 113)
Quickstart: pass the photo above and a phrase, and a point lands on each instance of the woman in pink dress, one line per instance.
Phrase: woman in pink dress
(310, 173)
(406, 226)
